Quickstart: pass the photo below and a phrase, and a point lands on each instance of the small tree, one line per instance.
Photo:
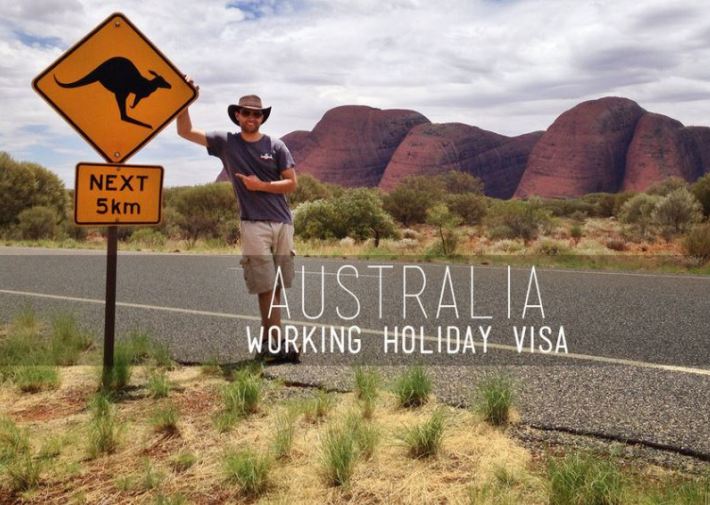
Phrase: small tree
(445, 222)
(457, 182)
(309, 189)
(697, 242)
(37, 223)
(677, 210)
(518, 219)
(470, 207)
(701, 190)
(638, 211)
(202, 209)
(666, 186)
(409, 201)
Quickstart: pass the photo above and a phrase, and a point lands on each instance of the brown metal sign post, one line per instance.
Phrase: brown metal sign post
(117, 90)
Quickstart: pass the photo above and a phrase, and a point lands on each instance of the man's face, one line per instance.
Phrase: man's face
(249, 120)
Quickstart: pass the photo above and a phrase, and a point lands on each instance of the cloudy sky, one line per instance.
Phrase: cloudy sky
(510, 66)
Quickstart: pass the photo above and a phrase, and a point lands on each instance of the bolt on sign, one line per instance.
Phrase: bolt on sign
(116, 194)
(115, 88)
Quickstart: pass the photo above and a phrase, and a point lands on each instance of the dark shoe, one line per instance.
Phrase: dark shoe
(265, 355)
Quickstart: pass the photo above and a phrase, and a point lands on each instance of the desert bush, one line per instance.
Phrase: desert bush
(701, 190)
(202, 209)
(638, 211)
(602, 204)
(616, 244)
(517, 219)
(409, 201)
(309, 189)
(697, 242)
(678, 210)
(457, 182)
(148, 237)
(25, 185)
(471, 208)
(667, 186)
(549, 247)
(37, 223)
(445, 222)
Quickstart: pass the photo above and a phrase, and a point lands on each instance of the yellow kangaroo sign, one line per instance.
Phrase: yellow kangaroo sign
(115, 88)
(117, 194)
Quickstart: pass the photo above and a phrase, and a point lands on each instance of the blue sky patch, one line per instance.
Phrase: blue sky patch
(35, 40)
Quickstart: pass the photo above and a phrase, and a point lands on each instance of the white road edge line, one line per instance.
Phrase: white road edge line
(584, 357)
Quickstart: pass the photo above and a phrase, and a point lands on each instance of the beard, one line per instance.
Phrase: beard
(247, 128)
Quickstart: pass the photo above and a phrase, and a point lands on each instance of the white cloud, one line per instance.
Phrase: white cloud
(506, 66)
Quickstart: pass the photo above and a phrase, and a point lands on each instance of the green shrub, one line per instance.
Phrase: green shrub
(409, 201)
(667, 186)
(578, 479)
(549, 247)
(701, 190)
(148, 237)
(249, 470)
(471, 208)
(424, 440)
(494, 399)
(309, 189)
(576, 233)
(24, 185)
(638, 211)
(413, 387)
(158, 384)
(445, 222)
(37, 223)
(458, 182)
(678, 210)
(516, 219)
(697, 242)
(201, 209)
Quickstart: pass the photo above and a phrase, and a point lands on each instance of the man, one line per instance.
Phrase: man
(261, 170)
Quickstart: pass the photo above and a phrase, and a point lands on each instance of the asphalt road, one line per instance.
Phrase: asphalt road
(636, 366)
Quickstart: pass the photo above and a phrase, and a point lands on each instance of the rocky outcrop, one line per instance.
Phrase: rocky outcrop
(700, 136)
(584, 151)
(431, 149)
(352, 145)
(661, 148)
(437, 148)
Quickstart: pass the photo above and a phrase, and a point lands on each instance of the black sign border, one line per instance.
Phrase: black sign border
(107, 156)
(115, 223)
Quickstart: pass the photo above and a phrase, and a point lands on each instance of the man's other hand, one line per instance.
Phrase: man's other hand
(252, 182)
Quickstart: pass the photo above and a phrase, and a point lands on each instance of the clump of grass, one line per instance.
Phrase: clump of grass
(211, 368)
(413, 387)
(424, 440)
(249, 470)
(283, 438)
(118, 377)
(580, 478)
(51, 448)
(183, 461)
(67, 341)
(176, 499)
(367, 383)
(318, 407)
(693, 492)
(158, 384)
(242, 396)
(151, 477)
(142, 349)
(22, 470)
(164, 419)
(104, 429)
(35, 378)
(494, 399)
(365, 435)
(338, 455)
(25, 320)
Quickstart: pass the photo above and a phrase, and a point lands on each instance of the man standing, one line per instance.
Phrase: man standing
(261, 170)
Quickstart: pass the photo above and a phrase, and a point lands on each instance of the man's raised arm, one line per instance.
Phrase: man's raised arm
(186, 131)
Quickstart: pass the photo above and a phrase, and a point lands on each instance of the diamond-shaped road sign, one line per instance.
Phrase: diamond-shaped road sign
(115, 88)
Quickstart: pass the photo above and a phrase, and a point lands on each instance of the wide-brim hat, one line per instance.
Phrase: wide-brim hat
(252, 102)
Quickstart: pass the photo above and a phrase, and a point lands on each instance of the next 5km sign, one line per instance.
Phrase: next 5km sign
(117, 194)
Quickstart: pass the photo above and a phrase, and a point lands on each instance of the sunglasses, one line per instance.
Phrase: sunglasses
(250, 113)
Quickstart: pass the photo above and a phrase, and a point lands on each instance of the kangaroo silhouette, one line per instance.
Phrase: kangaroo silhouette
(121, 77)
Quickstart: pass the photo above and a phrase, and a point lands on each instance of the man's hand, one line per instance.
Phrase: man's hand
(252, 182)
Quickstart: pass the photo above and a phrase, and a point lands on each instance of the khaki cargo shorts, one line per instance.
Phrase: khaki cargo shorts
(266, 245)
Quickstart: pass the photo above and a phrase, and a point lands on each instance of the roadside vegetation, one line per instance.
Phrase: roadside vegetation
(446, 217)
(153, 439)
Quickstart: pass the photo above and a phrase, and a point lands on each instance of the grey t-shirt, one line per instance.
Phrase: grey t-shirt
(265, 158)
